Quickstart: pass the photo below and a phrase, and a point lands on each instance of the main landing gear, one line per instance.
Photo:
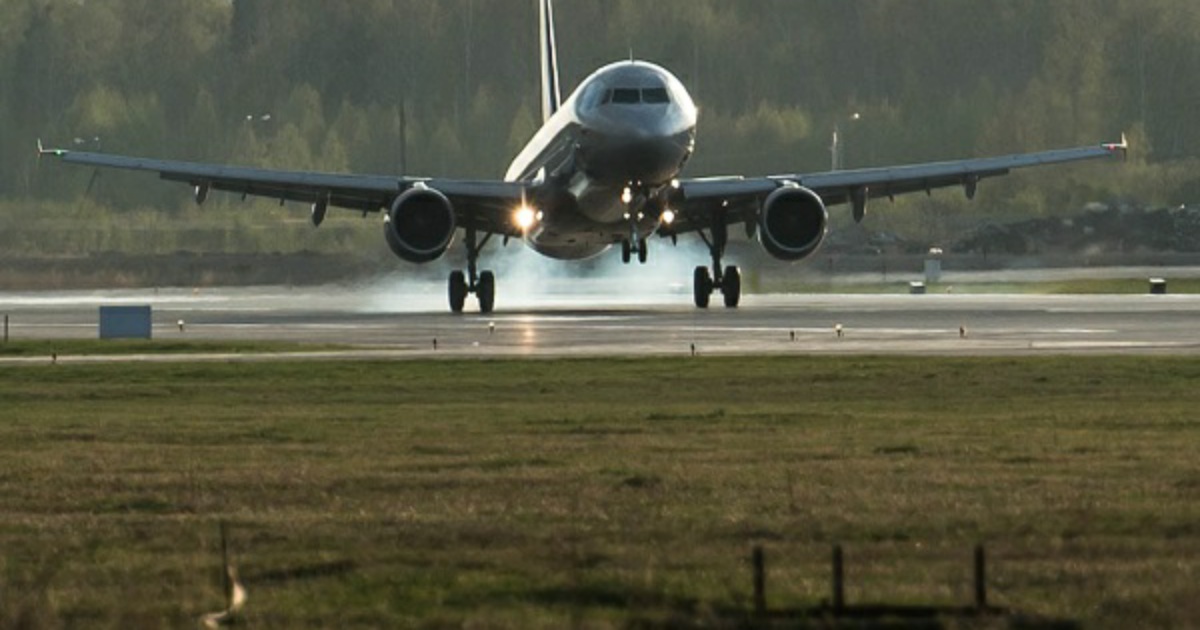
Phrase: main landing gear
(727, 280)
(483, 285)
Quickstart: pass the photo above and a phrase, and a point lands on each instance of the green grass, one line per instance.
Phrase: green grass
(595, 492)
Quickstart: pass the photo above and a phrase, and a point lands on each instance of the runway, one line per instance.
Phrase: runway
(381, 321)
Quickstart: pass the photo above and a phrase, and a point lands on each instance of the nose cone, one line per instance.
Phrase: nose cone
(652, 153)
(622, 159)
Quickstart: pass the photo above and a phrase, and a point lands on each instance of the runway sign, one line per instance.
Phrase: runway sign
(125, 322)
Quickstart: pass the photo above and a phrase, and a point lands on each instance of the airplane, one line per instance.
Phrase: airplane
(604, 171)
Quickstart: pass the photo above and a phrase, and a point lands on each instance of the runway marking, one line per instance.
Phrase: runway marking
(1082, 345)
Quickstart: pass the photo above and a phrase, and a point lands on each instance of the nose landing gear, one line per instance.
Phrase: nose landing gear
(636, 197)
(628, 250)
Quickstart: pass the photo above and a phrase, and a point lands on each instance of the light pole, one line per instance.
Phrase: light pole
(837, 146)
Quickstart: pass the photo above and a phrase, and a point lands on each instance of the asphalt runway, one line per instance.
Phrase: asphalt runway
(404, 322)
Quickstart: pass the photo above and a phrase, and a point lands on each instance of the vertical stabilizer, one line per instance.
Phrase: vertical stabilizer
(551, 95)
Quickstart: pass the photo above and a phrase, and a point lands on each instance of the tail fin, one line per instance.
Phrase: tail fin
(551, 95)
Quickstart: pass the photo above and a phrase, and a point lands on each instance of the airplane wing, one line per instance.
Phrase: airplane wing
(738, 198)
(484, 205)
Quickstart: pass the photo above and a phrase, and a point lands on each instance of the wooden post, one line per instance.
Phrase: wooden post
(228, 587)
(839, 591)
(980, 578)
(760, 582)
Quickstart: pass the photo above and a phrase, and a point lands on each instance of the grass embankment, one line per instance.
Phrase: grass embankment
(551, 493)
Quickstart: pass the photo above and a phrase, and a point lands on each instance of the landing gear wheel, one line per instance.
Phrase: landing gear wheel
(458, 291)
(731, 286)
(626, 252)
(702, 286)
(486, 292)
(642, 251)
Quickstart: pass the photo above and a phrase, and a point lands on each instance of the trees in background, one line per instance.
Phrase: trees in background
(341, 86)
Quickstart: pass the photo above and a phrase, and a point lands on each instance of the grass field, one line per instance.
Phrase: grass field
(596, 493)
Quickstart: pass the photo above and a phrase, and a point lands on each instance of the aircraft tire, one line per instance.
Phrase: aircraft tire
(702, 287)
(731, 286)
(642, 253)
(458, 291)
(486, 292)
(626, 252)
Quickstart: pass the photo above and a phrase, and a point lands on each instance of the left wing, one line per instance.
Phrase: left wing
(738, 198)
(484, 205)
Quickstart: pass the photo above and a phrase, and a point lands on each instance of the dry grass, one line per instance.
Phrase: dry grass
(552, 493)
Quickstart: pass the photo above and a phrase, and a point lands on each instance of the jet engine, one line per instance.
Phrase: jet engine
(420, 225)
(792, 223)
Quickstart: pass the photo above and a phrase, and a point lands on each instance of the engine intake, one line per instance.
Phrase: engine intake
(793, 223)
(420, 225)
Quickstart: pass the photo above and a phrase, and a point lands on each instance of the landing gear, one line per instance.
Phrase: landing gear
(731, 286)
(636, 197)
(458, 291)
(702, 286)
(628, 250)
(728, 280)
(486, 292)
(483, 285)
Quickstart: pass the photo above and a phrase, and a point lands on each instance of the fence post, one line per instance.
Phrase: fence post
(839, 591)
(980, 578)
(760, 582)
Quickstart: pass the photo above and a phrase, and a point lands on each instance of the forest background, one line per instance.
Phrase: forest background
(449, 88)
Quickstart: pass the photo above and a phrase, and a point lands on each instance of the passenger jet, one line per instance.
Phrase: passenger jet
(603, 171)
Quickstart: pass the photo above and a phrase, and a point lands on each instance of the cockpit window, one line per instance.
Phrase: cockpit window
(633, 96)
(655, 95)
(626, 96)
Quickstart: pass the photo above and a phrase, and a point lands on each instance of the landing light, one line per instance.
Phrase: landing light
(668, 217)
(525, 217)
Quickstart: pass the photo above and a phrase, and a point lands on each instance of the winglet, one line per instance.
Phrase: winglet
(551, 94)
(44, 151)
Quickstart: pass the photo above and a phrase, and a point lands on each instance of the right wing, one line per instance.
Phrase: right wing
(484, 205)
(840, 186)
(704, 201)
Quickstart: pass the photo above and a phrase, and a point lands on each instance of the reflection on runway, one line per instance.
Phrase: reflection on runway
(381, 323)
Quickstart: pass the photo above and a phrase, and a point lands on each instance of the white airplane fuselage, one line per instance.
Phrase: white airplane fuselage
(605, 160)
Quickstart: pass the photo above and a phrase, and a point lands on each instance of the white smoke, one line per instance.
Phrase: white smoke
(525, 280)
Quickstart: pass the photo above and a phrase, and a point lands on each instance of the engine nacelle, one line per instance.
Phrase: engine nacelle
(420, 225)
(793, 223)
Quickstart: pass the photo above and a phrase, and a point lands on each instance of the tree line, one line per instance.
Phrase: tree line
(449, 87)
